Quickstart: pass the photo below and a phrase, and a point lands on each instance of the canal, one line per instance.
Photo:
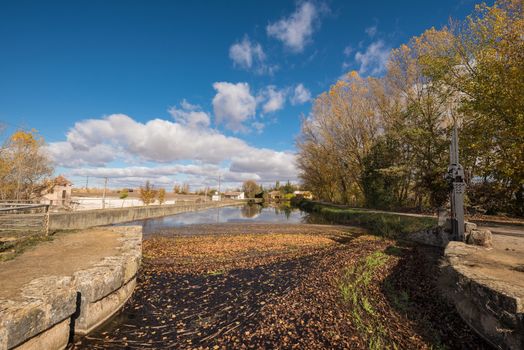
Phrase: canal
(248, 213)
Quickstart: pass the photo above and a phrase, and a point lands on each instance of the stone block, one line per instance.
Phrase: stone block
(469, 226)
(56, 337)
(481, 238)
(98, 282)
(44, 302)
(93, 314)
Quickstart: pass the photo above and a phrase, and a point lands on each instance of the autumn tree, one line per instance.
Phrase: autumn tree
(147, 193)
(383, 142)
(124, 193)
(161, 195)
(25, 168)
(250, 188)
(336, 138)
(481, 60)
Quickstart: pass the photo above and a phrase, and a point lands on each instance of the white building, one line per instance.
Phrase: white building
(234, 195)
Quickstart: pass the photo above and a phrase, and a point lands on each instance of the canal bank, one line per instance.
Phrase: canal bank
(100, 217)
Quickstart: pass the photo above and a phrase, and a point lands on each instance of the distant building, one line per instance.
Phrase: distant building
(275, 195)
(303, 194)
(58, 192)
(234, 195)
(215, 198)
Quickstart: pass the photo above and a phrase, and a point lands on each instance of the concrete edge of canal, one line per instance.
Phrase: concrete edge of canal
(100, 217)
(48, 310)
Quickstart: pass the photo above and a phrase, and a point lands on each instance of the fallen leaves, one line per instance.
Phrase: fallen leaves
(272, 288)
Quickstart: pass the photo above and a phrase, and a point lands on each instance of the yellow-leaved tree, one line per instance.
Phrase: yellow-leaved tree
(25, 168)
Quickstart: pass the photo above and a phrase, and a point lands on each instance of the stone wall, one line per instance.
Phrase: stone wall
(440, 236)
(494, 308)
(48, 309)
(99, 217)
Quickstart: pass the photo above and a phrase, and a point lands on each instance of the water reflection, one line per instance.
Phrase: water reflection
(246, 213)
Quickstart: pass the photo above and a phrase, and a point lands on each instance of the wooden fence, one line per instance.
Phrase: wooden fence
(21, 220)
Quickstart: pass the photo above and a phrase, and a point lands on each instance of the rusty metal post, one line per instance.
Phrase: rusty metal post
(458, 186)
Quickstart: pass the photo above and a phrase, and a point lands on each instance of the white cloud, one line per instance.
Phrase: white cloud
(249, 55)
(93, 144)
(268, 164)
(190, 115)
(245, 53)
(371, 31)
(348, 50)
(67, 154)
(275, 99)
(233, 104)
(157, 140)
(373, 61)
(296, 30)
(300, 95)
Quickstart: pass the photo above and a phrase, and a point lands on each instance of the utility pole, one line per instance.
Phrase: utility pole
(104, 195)
(458, 186)
(87, 182)
(219, 195)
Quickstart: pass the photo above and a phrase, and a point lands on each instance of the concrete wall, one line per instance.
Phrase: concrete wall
(99, 217)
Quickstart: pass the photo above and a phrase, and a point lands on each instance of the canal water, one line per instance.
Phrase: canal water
(249, 213)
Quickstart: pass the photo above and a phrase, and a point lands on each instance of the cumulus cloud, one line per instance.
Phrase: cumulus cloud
(67, 154)
(300, 95)
(93, 144)
(190, 115)
(281, 165)
(296, 30)
(274, 99)
(157, 140)
(233, 104)
(374, 59)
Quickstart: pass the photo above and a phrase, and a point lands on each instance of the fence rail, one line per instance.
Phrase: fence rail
(22, 220)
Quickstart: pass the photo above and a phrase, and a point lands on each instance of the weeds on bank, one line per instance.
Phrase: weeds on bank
(10, 250)
(388, 225)
(353, 288)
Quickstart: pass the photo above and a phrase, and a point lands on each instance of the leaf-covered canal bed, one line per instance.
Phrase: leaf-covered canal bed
(283, 286)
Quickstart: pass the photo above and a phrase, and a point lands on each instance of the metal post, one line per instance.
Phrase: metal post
(104, 195)
(456, 177)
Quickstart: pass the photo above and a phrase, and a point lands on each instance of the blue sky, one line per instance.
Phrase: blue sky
(177, 91)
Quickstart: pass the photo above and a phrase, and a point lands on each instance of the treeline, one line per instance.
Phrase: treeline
(384, 142)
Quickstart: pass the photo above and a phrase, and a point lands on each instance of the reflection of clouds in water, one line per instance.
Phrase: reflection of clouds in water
(247, 213)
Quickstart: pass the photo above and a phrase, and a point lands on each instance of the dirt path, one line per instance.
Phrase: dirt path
(65, 254)
(282, 287)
